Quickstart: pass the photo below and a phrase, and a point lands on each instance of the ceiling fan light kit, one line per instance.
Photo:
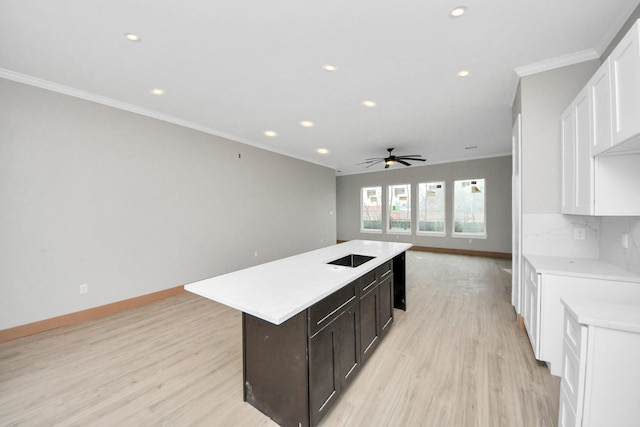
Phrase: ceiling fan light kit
(392, 159)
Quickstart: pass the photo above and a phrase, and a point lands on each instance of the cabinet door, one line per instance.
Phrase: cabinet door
(583, 182)
(385, 289)
(369, 323)
(568, 162)
(600, 94)
(349, 345)
(625, 73)
(324, 378)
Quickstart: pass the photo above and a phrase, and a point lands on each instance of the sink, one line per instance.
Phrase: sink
(351, 260)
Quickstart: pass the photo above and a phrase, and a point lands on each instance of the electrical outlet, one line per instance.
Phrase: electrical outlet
(84, 288)
(579, 233)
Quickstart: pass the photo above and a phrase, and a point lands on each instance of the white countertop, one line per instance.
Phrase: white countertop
(580, 267)
(603, 314)
(278, 290)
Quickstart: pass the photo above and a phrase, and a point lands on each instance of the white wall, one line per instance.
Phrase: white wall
(131, 205)
(496, 171)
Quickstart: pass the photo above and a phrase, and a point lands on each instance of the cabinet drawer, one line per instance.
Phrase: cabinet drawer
(574, 334)
(367, 282)
(566, 414)
(571, 377)
(324, 312)
(384, 270)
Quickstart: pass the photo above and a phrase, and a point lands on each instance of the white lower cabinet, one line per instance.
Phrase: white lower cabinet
(601, 364)
(531, 306)
(548, 279)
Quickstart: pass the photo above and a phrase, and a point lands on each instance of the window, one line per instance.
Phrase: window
(469, 208)
(371, 210)
(399, 208)
(431, 208)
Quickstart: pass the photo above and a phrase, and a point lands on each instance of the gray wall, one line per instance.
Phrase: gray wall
(496, 171)
(131, 205)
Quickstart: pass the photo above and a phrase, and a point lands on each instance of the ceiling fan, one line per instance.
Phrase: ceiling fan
(391, 159)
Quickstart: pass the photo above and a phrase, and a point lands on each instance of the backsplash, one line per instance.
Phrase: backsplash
(553, 235)
(612, 230)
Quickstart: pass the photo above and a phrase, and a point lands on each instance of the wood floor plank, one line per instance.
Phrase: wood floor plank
(455, 358)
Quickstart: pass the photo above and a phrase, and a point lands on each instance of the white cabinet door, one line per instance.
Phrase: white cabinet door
(625, 73)
(583, 180)
(531, 309)
(568, 161)
(600, 94)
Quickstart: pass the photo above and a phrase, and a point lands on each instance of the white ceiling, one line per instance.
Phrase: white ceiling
(237, 68)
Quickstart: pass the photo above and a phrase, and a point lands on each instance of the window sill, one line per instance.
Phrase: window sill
(469, 236)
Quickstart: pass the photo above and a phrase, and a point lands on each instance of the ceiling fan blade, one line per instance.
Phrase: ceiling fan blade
(403, 160)
(373, 163)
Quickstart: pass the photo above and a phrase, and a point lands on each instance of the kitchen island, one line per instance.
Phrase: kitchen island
(310, 321)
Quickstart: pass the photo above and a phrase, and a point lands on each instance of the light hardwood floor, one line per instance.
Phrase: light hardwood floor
(455, 358)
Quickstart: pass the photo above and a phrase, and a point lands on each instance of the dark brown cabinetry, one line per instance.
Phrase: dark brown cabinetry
(334, 360)
(376, 307)
(295, 372)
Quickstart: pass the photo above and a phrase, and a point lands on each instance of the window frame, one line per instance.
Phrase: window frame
(362, 207)
(467, 234)
(442, 233)
(409, 209)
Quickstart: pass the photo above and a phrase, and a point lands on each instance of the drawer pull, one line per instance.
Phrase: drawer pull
(336, 310)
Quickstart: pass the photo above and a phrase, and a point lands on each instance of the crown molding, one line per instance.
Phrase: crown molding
(110, 102)
(559, 62)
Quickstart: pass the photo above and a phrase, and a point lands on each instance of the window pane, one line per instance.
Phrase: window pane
(431, 208)
(400, 208)
(371, 209)
(469, 207)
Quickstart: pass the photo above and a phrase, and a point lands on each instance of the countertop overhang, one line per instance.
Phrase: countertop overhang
(278, 290)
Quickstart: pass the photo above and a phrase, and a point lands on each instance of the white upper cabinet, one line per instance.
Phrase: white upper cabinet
(583, 202)
(600, 94)
(601, 138)
(568, 160)
(577, 162)
(625, 86)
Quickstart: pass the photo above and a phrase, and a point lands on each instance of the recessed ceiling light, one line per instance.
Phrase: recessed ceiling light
(157, 91)
(458, 11)
(322, 151)
(271, 133)
(463, 73)
(329, 67)
(306, 123)
(132, 37)
(368, 103)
